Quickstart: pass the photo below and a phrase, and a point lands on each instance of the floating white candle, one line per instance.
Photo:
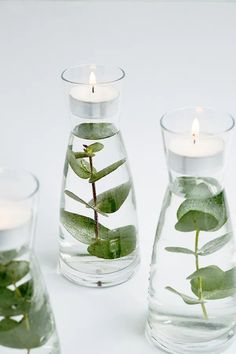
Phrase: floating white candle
(93, 100)
(14, 224)
(196, 153)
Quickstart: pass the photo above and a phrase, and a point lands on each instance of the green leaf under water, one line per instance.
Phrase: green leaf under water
(106, 171)
(95, 131)
(111, 200)
(187, 299)
(215, 283)
(196, 187)
(80, 200)
(196, 220)
(95, 147)
(7, 256)
(179, 250)
(202, 214)
(30, 332)
(11, 304)
(215, 245)
(82, 227)
(120, 243)
(12, 272)
(82, 154)
(80, 166)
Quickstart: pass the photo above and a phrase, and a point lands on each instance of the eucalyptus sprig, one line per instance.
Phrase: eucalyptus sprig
(102, 242)
(32, 328)
(202, 211)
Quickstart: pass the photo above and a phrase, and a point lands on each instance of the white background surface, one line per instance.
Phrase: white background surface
(175, 54)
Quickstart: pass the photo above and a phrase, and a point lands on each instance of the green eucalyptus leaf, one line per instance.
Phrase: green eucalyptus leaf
(127, 239)
(218, 293)
(184, 185)
(200, 191)
(106, 171)
(78, 199)
(26, 289)
(121, 242)
(196, 220)
(111, 200)
(179, 250)
(12, 272)
(7, 324)
(95, 147)
(80, 166)
(215, 245)
(12, 304)
(81, 227)
(187, 299)
(104, 249)
(7, 256)
(203, 214)
(216, 284)
(81, 154)
(95, 131)
(213, 274)
(31, 332)
(196, 188)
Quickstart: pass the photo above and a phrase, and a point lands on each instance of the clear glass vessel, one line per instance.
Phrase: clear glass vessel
(98, 225)
(27, 324)
(192, 301)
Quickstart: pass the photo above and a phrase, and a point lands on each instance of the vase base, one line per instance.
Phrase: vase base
(98, 280)
(218, 345)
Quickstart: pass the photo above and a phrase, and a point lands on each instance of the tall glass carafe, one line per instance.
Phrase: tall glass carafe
(192, 301)
(98, 226)
(27, 324)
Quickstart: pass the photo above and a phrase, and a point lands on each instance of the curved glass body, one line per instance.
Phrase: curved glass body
(98, 229)
(192, 300)
(26, 321)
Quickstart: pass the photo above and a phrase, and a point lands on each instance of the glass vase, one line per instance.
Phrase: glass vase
(26, 321)
(192, 302)
(98, 224)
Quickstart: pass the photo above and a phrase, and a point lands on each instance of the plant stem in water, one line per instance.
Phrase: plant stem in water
(28, 351)
(94, 201)
(204, 311)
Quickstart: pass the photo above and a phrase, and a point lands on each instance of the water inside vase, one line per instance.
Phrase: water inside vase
(104, 243)
(192, 303)
(26, 321)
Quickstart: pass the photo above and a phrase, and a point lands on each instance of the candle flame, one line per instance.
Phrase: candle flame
(195, 130)
(199, 109)
(92, 79)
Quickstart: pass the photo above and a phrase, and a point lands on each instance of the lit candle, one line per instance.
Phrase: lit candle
(94, 100)
(14, 224)
(196, 153)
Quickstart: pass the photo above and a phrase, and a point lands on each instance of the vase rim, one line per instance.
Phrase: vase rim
(201, 109)
(92, 67)
(23, 173)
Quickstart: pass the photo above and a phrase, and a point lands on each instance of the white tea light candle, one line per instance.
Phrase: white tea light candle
(93, 100)
(197, 153)
(14, 223)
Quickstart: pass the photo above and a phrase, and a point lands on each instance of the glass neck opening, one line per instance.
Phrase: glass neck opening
(93, 93)
(196, 144)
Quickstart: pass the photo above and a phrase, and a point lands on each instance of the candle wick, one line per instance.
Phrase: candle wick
(93, 90)
(194, 138)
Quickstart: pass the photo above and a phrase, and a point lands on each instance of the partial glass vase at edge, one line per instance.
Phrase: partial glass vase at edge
(98, 228)
(192, 301)
(27, 324)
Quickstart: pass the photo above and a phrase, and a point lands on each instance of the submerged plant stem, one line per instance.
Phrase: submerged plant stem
(28, 351)
(204, 311)
(94, 201)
